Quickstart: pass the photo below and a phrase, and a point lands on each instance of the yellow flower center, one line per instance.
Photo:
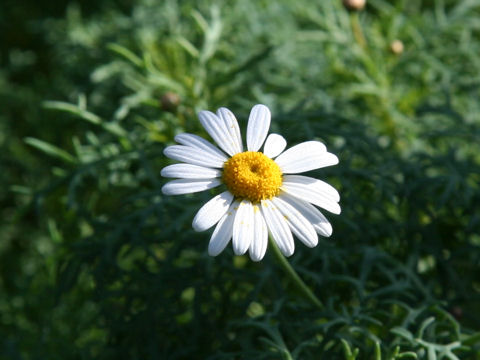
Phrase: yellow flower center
(252, 175)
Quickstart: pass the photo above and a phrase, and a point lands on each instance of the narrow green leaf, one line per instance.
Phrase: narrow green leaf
(187, 46)
(50, 149)
(55, 234)
(73, 109)
(378, 351)
(349, 354)
(20, 189)
(113, 128)
(126, 53)
(424, 325)
(404, 333)
(406, 355)
(472, 339)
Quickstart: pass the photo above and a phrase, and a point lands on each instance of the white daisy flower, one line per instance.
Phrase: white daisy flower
(262, 196)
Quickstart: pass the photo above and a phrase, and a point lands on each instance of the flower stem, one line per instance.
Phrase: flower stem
(292, 274)
(357, 31)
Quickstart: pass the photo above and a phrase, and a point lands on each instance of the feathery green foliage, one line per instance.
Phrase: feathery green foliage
(97, 263)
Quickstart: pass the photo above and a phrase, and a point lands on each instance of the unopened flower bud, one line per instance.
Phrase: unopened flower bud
(457, 312)
(169, 101)
(396, 47)
(354, 5)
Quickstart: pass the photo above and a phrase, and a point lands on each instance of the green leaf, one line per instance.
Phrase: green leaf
(111, 127)
(50, 149)
(406, 355)
(126, 53)
(349, 354)
(402, 332)
(73, 109)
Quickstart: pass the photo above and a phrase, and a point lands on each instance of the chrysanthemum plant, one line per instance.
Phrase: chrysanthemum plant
(263, 197)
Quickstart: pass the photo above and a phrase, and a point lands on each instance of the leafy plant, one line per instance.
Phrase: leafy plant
(115, 270)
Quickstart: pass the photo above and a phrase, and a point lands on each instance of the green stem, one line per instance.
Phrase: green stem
(292, 274)
(357, 31)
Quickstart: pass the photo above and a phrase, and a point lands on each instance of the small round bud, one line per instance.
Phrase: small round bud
(354, 5)
(457, 312)
(169, 101)
(396, 47)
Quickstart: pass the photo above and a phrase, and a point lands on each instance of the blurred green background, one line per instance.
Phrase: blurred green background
(95, 263)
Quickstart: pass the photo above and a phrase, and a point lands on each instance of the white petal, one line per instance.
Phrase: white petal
(219, 132)
(324, 188)
(198, 142)
(306, 156)
(311, 213)
(311, 193)
(258, 125)
(188, 171)
(278, 227)
(186, 186)
(274, 145)
(232, 125)
(210, 213)
(328, 159)
(243, 228)
(258, 246)
(223, 231)
(297, 222)
(193, 156)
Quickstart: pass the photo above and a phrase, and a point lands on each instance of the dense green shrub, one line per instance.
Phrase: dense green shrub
(115, 271)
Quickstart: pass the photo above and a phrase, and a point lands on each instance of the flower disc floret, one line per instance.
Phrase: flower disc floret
(252, 175)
